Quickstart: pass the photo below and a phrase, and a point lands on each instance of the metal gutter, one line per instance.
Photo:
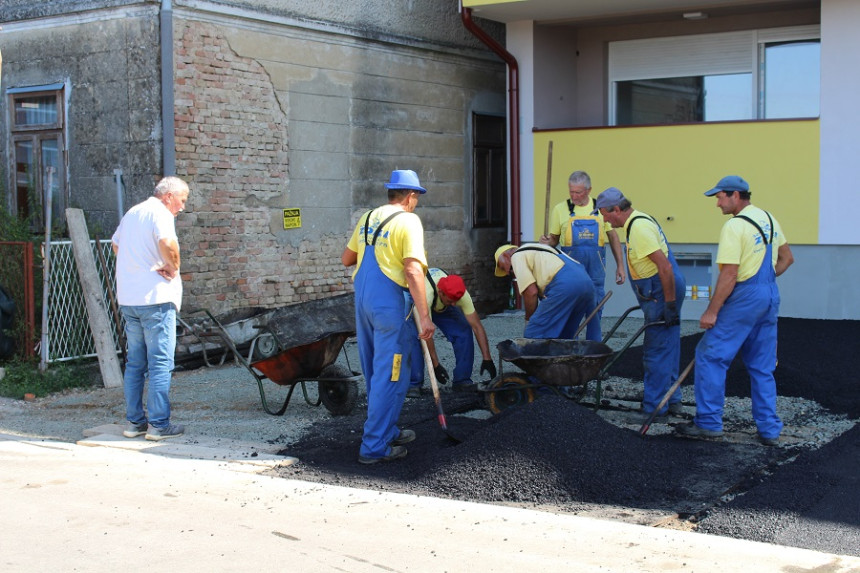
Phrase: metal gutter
(168, 135)
(513, 115)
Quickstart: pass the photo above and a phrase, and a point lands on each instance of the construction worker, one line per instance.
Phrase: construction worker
(578, 227)
(387, 247)
(659, 288)
(453, 312)
(543, 272)
(741, 315)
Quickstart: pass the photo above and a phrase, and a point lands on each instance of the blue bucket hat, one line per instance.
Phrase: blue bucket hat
(609, 198)
(405, 179)
(728, 183)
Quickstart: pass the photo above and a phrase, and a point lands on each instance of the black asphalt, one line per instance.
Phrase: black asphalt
(558, 455)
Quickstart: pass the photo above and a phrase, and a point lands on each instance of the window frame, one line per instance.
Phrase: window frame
(703, 54)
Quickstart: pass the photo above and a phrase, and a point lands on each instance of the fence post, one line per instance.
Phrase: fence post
(100, 325)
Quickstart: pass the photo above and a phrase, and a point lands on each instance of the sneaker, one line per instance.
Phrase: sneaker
(768, 441)
(413, 392)
(397, 452)
(135, 430)
(171, 431)
(676, 409)
(691, 430)
(405, 437)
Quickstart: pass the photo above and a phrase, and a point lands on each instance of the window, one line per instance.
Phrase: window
(762, 74)
(38, 154)
(489, 180)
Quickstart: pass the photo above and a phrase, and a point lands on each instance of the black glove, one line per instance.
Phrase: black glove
(489, 367)
(441, 374)
(670, 314)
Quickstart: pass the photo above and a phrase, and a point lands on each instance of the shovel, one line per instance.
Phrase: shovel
(435, 386)
(647, 425)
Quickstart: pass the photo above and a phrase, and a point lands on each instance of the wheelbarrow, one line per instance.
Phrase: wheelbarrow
(557, 365)
(299, 344)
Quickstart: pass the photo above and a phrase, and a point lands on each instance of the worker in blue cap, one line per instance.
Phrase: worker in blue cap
(387, 247)
(659, 288)
(741, 314)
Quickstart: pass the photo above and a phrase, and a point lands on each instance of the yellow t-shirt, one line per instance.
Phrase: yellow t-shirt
(534, 266)
(465, 303)
(644, 238)
(741, 244)
(402, 238)
(559, 222)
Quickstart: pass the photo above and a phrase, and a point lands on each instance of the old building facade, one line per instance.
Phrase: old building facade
(285, 117)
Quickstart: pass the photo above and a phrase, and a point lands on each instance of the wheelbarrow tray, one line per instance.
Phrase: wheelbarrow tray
(303, 362)
(555, 361)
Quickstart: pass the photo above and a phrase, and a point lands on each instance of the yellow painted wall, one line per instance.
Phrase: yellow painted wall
(665, 170)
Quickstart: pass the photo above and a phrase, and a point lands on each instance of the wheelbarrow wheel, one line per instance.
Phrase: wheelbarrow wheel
(338, 396)
(507, 392)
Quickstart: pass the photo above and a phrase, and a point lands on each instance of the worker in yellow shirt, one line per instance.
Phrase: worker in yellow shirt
(453, 312)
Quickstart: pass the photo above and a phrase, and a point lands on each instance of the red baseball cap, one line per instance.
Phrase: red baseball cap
(452, 286)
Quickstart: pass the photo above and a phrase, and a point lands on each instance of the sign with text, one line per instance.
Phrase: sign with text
(292, 218)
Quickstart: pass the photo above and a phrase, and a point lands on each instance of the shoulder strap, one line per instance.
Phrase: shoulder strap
(570, 206)
(648, 217)
(381, 226)
(756, 225)
(435, 290)
(367, 224)
(528, 248)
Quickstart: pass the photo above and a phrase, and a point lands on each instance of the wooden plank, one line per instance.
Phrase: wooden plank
(100, 325)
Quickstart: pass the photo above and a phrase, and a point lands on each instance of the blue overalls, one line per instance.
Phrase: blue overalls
(568, 298)
(586, 248)
(746, 322)
(661, 350)
(453, 324)
(384, 331)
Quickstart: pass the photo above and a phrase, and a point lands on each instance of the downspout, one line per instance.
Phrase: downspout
(168, 135)
(513, 115)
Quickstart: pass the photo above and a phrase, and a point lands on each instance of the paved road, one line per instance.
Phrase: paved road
(106, 504)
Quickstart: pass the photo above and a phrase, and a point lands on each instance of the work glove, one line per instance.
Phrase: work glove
(441, 374)
(489, 367)
(670, 314)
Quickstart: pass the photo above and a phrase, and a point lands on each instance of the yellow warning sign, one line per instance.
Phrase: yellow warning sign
(292, 218)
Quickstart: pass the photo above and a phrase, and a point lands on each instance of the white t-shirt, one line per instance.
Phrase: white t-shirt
(138, 258)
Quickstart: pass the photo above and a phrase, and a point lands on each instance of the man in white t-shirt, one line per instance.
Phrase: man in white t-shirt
(149, 290)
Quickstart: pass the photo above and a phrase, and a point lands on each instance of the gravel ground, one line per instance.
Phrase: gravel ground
(556, 454)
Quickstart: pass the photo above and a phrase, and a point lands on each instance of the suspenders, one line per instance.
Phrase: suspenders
(756, 225)
(379, 228)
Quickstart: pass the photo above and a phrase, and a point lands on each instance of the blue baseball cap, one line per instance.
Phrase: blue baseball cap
(405, 179)
(729, 183)
(609, 198)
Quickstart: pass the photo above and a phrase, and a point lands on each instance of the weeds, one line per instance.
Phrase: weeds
(24, 377)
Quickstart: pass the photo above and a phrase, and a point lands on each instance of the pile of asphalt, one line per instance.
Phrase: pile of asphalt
(556, 454)
(552, 452)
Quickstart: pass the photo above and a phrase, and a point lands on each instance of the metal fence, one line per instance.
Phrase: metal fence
(65, 323)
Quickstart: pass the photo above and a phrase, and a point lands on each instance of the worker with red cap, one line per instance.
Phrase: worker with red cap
(453, 312)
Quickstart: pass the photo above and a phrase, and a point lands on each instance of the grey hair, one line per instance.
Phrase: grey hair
(170, 184)
(580, 178)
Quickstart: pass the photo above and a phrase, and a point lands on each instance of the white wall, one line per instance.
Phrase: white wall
(520, 43)
(840, 122)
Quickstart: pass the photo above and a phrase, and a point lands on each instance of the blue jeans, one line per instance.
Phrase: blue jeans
(150, 332)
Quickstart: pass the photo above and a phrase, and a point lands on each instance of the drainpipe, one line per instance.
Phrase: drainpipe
(168, 142)
(513, 115)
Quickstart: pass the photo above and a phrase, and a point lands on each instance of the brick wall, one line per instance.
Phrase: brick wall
(232, 146)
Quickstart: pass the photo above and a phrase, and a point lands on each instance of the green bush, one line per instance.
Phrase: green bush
(23, 377)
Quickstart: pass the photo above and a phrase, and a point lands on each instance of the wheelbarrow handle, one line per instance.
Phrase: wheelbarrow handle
(593, 313)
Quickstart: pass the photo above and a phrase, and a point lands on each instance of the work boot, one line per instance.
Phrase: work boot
(405, 437)
(641, 417)
(768, 441)
(397, 452)
(691, 430)
(676, 409)
(413, 392)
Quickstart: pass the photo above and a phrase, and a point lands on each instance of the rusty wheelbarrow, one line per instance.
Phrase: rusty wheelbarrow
(300, 343)
(553, 364)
